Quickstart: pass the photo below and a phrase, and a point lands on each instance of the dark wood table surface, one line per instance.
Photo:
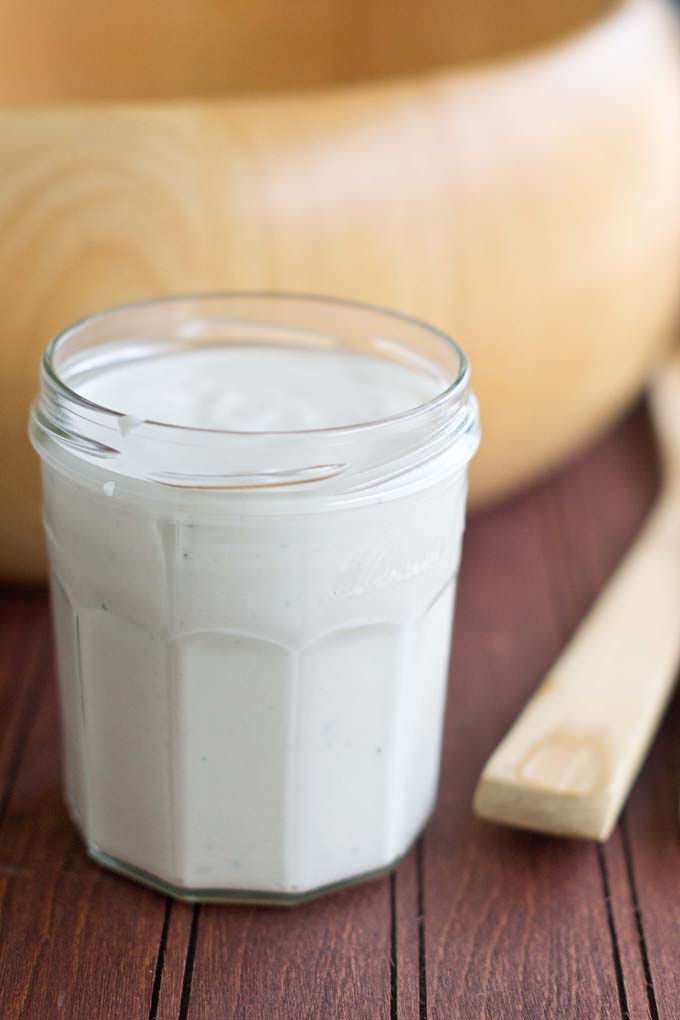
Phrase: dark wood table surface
(478, 922)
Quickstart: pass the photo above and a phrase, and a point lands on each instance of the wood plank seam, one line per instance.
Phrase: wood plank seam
(613, 937)
(160, 960)
(394, 1001)
(637, 912)
(189, 963)
(422, 960)
(596, 584)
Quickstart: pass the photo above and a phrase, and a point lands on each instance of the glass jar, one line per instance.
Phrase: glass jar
(252, 627)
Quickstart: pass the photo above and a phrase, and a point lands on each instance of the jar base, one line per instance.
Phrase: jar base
(245, 897)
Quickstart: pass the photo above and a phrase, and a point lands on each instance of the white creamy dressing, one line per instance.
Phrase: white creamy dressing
(261, 388)
(254, 702)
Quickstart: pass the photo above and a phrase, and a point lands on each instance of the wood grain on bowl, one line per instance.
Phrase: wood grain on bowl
(529, 206)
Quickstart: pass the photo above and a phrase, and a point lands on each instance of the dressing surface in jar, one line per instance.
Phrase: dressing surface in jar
(254, 507)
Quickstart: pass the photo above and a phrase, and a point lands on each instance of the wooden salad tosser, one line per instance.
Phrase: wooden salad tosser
(568, 762)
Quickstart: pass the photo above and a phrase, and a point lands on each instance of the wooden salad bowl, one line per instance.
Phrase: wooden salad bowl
(507, 172)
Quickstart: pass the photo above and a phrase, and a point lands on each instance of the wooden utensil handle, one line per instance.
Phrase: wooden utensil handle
(568, 762)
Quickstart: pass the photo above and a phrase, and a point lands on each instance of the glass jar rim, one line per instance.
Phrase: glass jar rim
(458, 383)
(65, 424)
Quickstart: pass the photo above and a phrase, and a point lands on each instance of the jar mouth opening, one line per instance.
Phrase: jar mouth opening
(345, 459)
(448, 395)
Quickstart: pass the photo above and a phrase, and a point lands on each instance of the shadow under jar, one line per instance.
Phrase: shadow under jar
(254, 507)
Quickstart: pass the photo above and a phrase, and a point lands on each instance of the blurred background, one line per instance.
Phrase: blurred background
(508, 171)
